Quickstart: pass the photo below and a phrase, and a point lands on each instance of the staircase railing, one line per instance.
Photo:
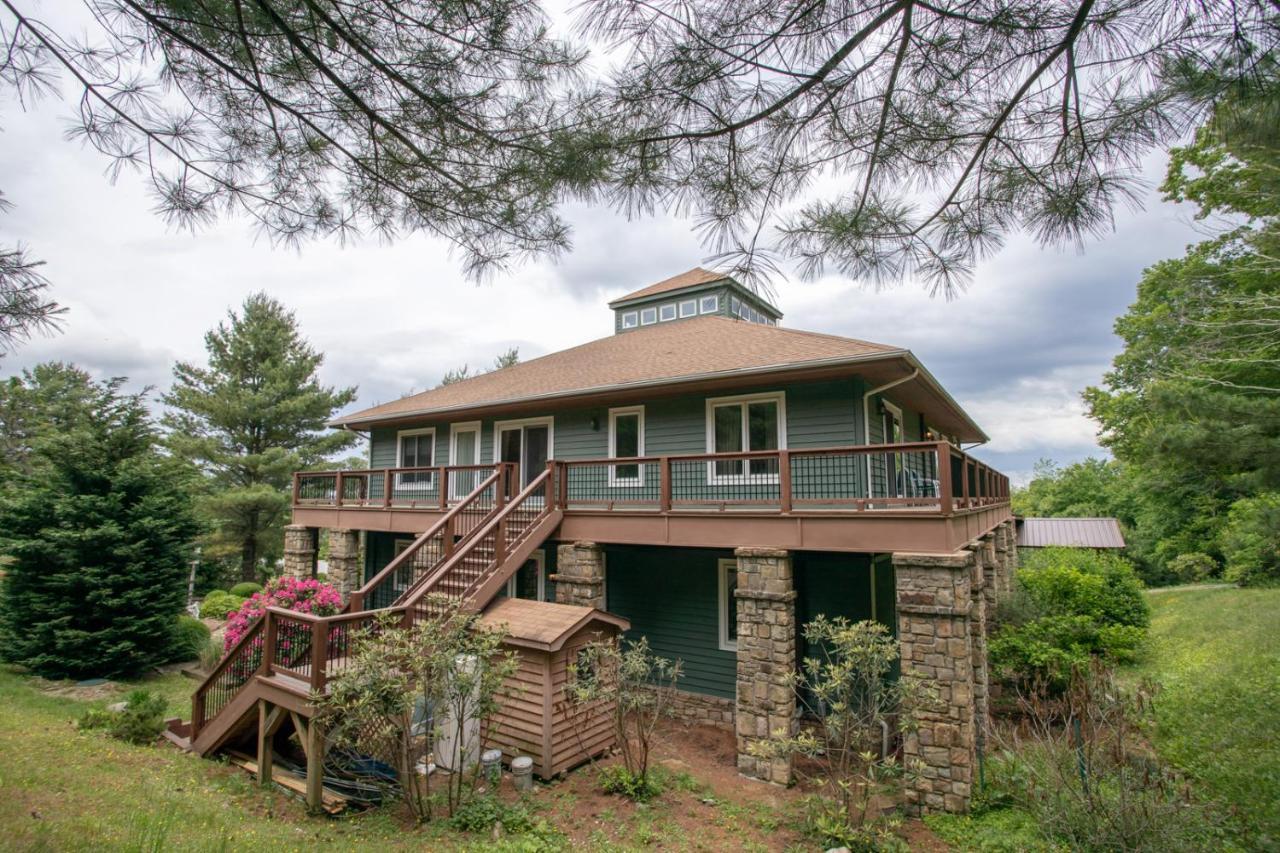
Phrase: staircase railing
(438, 543)
(464, 573)
(236, 668)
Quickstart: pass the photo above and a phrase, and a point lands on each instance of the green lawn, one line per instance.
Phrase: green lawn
(1217, 654)
(1215, 651)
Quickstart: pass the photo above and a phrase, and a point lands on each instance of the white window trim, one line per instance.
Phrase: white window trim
(398, 547)
(702, 303)
(662, 309)
(692, 304)
(779, 397)
(652, 312)
(499, 427)
(614, 480)
(722, 603)
(400, 436)
(540, 557)
(633, 316)
(454, 429)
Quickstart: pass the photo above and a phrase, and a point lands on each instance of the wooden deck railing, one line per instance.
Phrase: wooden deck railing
(917, 476)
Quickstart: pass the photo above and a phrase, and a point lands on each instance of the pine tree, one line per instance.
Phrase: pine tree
(255, 415)
(97, 530)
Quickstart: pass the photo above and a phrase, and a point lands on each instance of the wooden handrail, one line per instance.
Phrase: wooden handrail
(446, 521)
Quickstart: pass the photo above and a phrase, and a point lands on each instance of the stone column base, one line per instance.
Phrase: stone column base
(579, 576)
(299, 551)
(344, 561)
(766, 613)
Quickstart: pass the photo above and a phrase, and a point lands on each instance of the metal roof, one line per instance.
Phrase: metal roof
(1070, 532)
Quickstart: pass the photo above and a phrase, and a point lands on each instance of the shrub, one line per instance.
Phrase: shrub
(1192, 568)
(1251, 540)
(218, 604)
(304, 596)
(1079, 605)
(141, 721)
(847, 687)
(1080, 581)
(190, 636)
(640, 687)
(246, 589)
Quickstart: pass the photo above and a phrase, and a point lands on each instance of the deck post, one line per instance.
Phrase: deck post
(946, 504)
(784, 480)
(315, 765)
(766, 639)
(664, 484)
(265, 772)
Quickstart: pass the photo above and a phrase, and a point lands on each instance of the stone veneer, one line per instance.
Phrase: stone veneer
(344, 561)
(935, 603)
(579, 576)
(700, 709)
(299, 551)
(766, 609)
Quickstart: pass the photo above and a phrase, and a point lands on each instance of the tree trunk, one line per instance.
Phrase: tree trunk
(249, 560)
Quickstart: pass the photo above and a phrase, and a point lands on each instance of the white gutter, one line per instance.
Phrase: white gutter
(866, 414)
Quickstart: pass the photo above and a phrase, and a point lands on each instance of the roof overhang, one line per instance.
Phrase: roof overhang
(923, 393)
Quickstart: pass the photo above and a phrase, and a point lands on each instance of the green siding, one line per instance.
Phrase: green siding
(671, 596)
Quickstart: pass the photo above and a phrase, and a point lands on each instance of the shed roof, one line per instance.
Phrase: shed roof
(542, 624)
(1069, 532)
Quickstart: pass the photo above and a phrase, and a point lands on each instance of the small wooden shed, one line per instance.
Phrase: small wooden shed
(534, 718)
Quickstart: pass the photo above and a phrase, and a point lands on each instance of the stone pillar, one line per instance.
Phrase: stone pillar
(579, 576)
(981, 614)
(344, 561)
(766, 612)
(934, 600)
(299, 551)
(992, 570)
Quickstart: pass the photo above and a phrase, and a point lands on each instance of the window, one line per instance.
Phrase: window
(744, 311)
(417, 449)
(737, 424)
(735, 306)
(626, 439)
(630, 320)
(688, 307)
(648, 316)
(728, 571)
(530, 580)
(710, 304)
(667, 312)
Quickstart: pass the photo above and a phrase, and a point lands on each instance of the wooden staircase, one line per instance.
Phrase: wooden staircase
(460, 563)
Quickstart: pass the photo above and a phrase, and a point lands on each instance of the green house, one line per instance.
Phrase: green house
(710, 475)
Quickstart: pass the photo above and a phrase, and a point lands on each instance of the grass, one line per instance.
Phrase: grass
(1216, 653)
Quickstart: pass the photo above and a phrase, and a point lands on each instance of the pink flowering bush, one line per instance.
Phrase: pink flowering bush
(304, 596)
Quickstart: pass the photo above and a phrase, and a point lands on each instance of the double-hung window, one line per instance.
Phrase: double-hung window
(417, 449)
(740, 424)
(626, 440)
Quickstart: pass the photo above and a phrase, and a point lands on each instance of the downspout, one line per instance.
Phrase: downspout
(866, 414)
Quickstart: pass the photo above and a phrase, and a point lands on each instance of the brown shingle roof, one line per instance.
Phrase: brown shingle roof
(667, 352)
(690, 278)
(542, 624)
(1069, 532)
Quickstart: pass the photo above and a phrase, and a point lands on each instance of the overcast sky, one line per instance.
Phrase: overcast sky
(1032, 331)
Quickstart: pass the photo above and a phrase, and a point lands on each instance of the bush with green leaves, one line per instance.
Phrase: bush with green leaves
(639, 686)
(218, 604)
(141, 721)
(1076, 604)
(245, 589)
(190, 636)
(1193, 568)
(846, 685)
(1251, 541)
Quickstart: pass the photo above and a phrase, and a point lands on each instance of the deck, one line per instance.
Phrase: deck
(919, 496)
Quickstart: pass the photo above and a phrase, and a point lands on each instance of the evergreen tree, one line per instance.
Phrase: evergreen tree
(247, 421)
(97, 530)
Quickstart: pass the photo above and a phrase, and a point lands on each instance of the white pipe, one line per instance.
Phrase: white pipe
(866, 414)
